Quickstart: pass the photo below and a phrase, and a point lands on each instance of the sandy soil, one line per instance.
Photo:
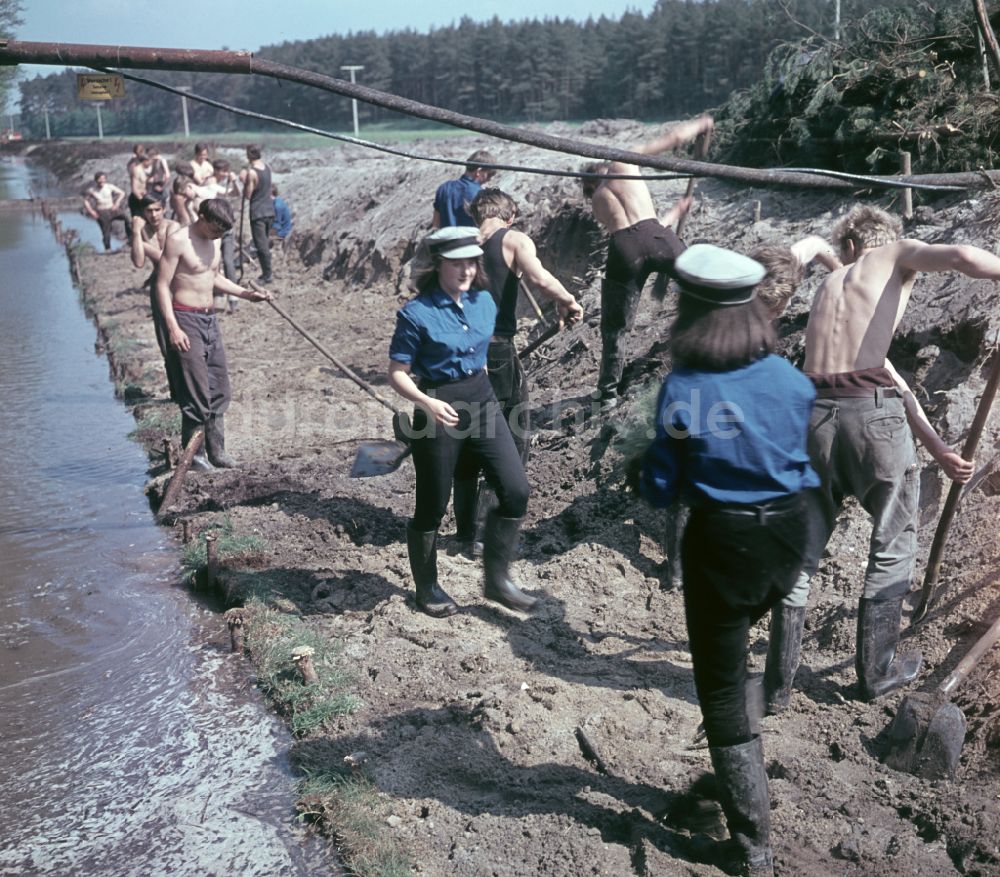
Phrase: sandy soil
(472, 724)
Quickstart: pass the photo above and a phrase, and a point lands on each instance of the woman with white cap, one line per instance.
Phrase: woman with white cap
(731, 430)
(437, 360)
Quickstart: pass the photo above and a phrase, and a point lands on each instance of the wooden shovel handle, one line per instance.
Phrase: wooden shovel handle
(972, 657)
(700, 151)
(951, 503)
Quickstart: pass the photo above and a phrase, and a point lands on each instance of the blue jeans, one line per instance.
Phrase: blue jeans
(863, 447)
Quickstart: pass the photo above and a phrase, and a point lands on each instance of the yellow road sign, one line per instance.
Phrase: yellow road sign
(99, 86)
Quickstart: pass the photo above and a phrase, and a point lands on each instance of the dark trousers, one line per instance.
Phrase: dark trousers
(736, 567)
(482, 438)
(633, 254)
(260, 229)
(105, 219)
(170, 364)
(200, 375)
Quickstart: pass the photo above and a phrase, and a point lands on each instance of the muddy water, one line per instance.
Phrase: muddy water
(131, 742)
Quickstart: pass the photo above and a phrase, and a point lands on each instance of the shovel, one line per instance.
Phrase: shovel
(373, 458)
(926, 736)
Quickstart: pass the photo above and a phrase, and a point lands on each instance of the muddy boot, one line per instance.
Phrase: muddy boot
(742, 784)
(880, 670)
(421, 545)
(465, 498)
(783, 650)
(200, 462)
(215, 442)
(612, 368)
(499, 546)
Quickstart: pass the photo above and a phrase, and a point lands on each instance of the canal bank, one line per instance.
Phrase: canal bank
(133, 743)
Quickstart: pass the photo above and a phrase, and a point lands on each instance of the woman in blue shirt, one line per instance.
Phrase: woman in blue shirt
(437, 360)
(732, 421)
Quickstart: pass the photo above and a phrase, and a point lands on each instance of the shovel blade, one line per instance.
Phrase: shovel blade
(926, 737)
(378, 458)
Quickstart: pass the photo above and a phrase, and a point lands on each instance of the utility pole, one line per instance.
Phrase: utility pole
(184, 109)
(354, 103)
(836, 20)
(48, 130)
(100, 123)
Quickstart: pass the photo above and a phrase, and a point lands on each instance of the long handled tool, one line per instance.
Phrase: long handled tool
(700, 151)
(927, 734)
(927, 594)
(373, 458)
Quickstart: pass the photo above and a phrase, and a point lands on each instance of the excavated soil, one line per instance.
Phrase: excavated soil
(561, 744)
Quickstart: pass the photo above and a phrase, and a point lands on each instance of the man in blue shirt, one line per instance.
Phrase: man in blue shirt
(282, 227)
(451, 198)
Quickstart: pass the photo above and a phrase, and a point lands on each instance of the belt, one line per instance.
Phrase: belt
(781, 505)
(425, 384)
(857, 392)
(186, 309)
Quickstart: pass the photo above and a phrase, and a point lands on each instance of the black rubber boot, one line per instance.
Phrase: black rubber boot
(499, 547)
(880, 669)
(742, 784)
(421, 545)
(612, 368)
(215, 443)
(783, 651)
(465, 498)
(188, 428)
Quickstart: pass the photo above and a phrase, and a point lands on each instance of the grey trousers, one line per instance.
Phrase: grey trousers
(200, 375)
(863, 447)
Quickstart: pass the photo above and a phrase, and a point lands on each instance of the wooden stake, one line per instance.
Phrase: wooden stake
(907, 193)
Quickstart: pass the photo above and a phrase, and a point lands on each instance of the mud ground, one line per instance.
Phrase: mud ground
(472, 725)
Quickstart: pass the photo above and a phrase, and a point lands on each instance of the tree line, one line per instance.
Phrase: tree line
(681, 58)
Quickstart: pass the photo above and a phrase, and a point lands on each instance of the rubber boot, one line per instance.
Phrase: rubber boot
(612, 368)
(188, 428)
(421, 546)
(880, 669)
(215, 443)
(742, 784)
(783, 651)
(465, 498)
(499, 547)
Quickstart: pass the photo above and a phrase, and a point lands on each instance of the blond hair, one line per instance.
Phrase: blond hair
(784, 274)
(867, 228)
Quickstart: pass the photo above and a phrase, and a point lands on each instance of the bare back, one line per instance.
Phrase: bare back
(856, 311)
(194, 260)
(619, 204)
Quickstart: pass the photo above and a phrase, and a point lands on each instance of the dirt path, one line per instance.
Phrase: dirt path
(471, 726)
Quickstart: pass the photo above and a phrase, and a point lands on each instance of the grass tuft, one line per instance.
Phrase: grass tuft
(230, 545)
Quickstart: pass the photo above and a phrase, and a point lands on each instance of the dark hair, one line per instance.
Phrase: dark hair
(220, 164)
(253, 152)
(217, 211)
(180, 181)
(490, 204)
(477, 160)
(590, 183)
(274, 191)
(428, 277)
(100, 174)
(200, 147)
(712, 338)
(145, 201)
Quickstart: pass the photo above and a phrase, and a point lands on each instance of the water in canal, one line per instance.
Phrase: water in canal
(132, 742)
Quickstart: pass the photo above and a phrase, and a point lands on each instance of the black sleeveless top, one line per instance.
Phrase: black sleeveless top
(261, 205)
(503, 284)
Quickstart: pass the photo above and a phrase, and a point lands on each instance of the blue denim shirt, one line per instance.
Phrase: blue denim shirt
(451, 198)
(731, 437)
(442, 340)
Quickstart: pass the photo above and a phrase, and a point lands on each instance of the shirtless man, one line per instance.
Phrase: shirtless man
(103, 202)
(640, 244)
(509, 255)
(139, 171)
(860, 442)
(188, 273)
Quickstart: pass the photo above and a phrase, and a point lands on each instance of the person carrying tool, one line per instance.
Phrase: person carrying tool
(437, 360)
(452, 197)
(509, 255)
(188, 273)
(640, 245)
(730, 441)
(256, 180)
(861, 443)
